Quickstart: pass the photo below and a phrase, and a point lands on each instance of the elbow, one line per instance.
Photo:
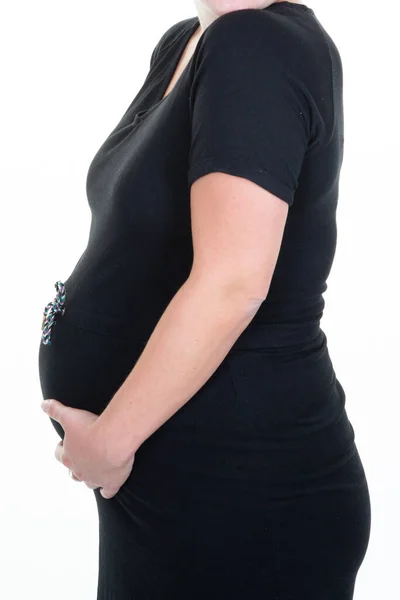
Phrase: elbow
(244, 294)
(235, 294)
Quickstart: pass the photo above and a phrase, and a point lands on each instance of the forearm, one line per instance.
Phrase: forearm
(191, 339)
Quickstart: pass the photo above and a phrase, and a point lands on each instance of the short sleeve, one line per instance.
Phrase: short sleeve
(250, 108)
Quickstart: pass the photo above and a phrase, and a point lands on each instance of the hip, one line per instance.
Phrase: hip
(283, 420)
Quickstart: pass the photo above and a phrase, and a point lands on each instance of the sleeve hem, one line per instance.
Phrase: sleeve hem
(242, 168)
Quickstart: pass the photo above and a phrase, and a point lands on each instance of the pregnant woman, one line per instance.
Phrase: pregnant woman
(188, 375)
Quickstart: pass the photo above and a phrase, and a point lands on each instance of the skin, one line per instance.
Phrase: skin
(209, 10)
(237, 231)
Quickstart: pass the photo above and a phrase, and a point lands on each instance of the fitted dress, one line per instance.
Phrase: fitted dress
(254, 489)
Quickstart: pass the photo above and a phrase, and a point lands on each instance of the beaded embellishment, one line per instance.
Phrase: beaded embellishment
(53, 308)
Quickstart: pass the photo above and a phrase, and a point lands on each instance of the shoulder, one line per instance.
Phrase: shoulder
(258, 36)
(254, 26)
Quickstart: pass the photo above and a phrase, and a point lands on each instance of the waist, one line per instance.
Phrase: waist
(274, 337)
(265, 336)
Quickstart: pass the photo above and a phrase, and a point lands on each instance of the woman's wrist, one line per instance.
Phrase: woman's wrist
(108, 437)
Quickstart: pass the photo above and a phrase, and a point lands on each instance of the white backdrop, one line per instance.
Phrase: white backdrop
(68, 74)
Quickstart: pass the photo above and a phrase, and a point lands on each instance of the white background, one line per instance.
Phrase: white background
(69, 71)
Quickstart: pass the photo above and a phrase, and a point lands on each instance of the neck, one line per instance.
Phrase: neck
(207, 16)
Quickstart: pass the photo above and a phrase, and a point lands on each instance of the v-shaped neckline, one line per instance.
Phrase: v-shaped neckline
(179, 47)
(188, 34)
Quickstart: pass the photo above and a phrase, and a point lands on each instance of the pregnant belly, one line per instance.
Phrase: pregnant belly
(84, 369)
(278, 418)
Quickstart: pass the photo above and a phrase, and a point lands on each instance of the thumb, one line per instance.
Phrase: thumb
(67, 415)
(55, 409)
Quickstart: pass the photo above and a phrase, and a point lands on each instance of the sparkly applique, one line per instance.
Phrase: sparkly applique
(51, 310)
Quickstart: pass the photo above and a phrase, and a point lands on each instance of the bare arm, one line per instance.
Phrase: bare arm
(237, 231)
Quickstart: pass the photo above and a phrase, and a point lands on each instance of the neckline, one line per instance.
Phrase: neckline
(187, 35)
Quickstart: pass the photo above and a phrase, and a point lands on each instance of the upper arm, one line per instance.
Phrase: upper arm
(251, 122)
(237, 229)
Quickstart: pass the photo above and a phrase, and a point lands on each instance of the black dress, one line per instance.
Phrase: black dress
(254, 489)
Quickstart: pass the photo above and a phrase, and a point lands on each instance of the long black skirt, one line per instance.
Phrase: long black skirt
(253, 490)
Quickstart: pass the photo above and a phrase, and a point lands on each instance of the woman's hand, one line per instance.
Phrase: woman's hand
(91, 459)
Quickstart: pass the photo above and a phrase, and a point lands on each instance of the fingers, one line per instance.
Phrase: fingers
(108, 492)
(60, 455)
(74, 476)
(59, 451)
(87, 483)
